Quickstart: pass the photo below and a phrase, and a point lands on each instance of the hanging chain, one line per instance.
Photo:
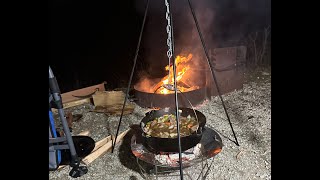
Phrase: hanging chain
(169, 42)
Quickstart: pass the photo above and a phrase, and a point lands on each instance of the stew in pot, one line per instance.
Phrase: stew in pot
(166, 127)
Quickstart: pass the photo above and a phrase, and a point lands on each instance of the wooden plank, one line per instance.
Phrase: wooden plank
(73, 104)
(103, 149)
(102, 142)
(108, 98)
(115, 109)
(83, 133)
(99, 152)
(69, 96)
(76, 103)
(111, 102)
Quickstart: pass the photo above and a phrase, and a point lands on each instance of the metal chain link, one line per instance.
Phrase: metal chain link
(169, 42)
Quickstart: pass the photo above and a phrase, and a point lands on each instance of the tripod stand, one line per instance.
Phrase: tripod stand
(66, 142)
(171, 55)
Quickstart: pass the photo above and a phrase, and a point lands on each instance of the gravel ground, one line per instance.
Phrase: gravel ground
(250, 113)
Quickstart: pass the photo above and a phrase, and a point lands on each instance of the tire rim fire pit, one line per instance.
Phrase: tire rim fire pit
(145, 99)
(190, 84)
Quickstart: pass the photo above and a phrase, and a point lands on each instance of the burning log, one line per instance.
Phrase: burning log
(159, 84)
(181, 70)
(181, 85)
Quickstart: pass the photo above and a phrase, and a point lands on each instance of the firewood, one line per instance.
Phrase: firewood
(71, 96)
(115, 109)
(102, 150)
(83, 133)
(159, 84)
(73, 103)
(180, 83)
(102, 142)
(184, 84)
(180, 59)
(108, 98)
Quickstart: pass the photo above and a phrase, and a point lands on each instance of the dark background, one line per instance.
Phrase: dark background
(90, 42)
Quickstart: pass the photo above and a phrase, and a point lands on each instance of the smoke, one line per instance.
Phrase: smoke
(186, 38)
(222, 24)
(145, 84)
(220, 21)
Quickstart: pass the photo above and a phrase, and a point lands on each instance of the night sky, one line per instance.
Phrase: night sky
(90, 42)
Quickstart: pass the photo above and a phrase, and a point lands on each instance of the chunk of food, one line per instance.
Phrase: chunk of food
(166, 127)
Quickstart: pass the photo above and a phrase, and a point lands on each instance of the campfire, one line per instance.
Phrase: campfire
(184, 84)
(191, 84)
(182, 74)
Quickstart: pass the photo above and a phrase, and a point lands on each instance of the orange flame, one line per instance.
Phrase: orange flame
(181, 70)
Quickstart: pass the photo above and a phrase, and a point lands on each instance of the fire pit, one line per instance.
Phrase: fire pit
(145, 99)
(209, 146)
(191, 85)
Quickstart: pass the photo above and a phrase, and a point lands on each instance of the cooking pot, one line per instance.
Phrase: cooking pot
(158, 144)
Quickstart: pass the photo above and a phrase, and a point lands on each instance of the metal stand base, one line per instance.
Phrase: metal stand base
(157, 171)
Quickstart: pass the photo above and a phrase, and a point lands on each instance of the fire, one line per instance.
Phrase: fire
(180, 59)
(181, 68)
(178, 78)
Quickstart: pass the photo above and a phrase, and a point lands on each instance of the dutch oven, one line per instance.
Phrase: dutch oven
(158, 144)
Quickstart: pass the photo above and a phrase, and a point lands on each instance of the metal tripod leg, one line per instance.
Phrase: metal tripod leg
(212, 71)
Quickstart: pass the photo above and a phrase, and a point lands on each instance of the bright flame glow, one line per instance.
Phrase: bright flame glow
(181, 70)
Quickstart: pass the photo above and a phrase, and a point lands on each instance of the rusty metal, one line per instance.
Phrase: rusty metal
(229, 67)
(153, 100)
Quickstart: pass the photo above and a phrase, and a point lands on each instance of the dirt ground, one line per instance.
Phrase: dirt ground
(250, 113)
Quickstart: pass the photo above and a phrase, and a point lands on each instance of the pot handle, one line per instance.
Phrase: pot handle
(200, 130)
(149, 113)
